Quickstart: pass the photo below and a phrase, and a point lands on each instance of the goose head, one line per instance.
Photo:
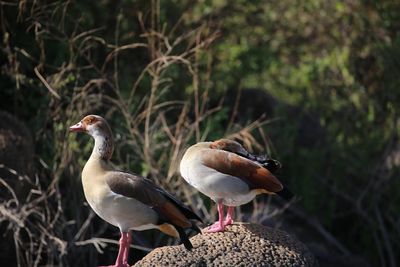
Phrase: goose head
(98, 128)
(228, 145)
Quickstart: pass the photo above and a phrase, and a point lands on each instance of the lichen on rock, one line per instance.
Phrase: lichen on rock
(240, 245)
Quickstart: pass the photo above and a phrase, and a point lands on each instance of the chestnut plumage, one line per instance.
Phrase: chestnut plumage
(230, 175)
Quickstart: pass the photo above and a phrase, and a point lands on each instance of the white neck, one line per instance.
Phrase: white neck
(103, 145)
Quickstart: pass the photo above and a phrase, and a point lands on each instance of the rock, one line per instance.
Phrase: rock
(16, 160)
(240, 245)
(16, 155)
(16, 146)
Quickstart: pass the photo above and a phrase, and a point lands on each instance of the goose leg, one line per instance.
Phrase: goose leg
(217, 226)
(126, 252)
(122, 248)
(229, 216)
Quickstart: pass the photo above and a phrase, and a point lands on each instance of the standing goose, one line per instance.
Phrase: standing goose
(227, 173)
(125, 200)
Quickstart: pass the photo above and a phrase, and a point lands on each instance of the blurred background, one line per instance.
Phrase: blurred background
(313, 83)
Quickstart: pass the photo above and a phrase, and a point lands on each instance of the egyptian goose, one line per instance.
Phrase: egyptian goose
(125, 200)
(227, 173)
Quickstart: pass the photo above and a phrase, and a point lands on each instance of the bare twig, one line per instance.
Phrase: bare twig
(101, 243)
(43, 80)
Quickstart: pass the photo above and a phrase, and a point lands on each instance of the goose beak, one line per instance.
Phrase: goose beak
(77, 127)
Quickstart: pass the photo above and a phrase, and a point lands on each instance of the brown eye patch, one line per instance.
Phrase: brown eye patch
(90, 120)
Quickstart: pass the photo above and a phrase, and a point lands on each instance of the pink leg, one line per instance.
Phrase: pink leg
(217, 226)
(126, 252)
(229, 216)
(121, 252)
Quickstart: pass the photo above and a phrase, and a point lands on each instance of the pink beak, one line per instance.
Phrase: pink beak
(77, 127)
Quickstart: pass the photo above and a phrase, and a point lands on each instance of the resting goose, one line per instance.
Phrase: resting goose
(125, 200)
(227, 173)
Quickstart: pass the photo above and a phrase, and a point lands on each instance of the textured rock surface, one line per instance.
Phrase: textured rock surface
(239, 245)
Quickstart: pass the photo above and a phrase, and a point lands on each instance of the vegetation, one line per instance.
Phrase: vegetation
(165, 72)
